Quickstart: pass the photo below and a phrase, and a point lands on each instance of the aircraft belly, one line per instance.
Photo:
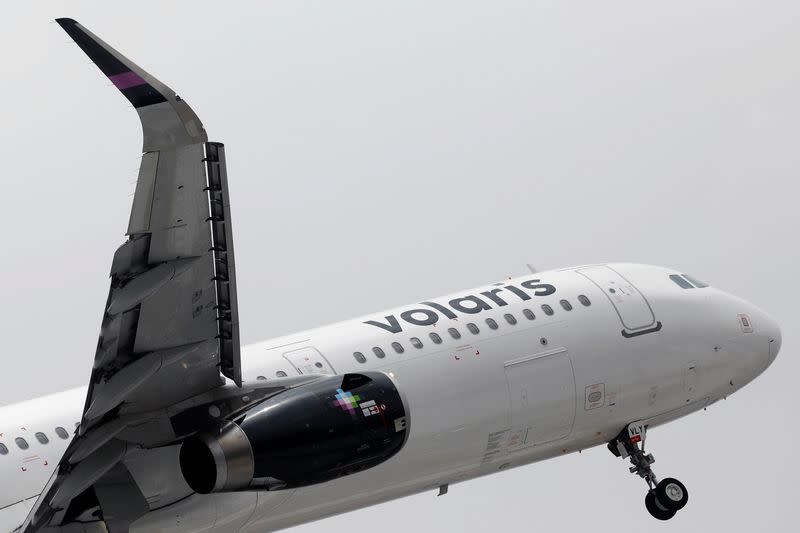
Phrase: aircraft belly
(12, 516)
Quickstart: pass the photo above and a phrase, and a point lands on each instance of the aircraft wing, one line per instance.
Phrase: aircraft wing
(170, 328)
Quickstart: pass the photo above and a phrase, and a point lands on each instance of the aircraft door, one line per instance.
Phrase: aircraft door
(542, 393)
(309, 361)
(634, 312)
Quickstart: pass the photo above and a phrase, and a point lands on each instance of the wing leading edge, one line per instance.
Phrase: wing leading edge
(170, 326)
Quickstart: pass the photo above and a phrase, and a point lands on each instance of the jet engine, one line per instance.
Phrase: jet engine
(316, 432)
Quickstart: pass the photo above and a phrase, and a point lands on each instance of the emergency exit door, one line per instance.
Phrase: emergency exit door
(634, 312)
(309, 361)
(542, 393)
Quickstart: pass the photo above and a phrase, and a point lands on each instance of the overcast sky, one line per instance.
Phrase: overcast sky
(384, 152)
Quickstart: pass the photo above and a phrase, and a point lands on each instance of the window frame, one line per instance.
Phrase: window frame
(473, 328)
(378, 351)
(3, 449)
(548, 310)
(454, 333)
(62, 433)
(492, 323)
(41, 437)
(397, 347)
(360, 357)
(566, 304)
(21, 443)
(696, 282)
(681, 282)
(416, 342)
(530, 315)
(435, 337)
(584, 300)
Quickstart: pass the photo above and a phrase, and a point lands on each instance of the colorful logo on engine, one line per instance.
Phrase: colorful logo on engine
(346, 400)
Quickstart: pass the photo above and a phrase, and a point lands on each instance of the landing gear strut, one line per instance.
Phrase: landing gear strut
(664, 498)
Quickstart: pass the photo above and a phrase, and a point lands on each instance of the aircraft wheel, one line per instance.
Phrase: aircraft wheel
(655, 509)
(671, 494)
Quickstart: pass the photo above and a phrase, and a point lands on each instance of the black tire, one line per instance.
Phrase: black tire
(671, 494)
(656, 510)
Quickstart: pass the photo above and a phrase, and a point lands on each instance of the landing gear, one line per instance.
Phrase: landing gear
(664, 498)
(655, 509)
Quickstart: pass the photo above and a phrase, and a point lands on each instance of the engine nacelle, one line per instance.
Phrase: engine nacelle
(316, 432)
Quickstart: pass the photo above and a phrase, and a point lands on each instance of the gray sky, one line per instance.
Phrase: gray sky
(384, 152)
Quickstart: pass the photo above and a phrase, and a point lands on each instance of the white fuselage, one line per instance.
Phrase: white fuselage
(530, 389)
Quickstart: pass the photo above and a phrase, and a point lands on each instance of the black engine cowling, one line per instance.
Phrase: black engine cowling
(313, 433)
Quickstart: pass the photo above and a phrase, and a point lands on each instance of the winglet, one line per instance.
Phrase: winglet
(167, 120)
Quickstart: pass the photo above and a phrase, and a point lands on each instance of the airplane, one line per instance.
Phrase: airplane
(181, 429)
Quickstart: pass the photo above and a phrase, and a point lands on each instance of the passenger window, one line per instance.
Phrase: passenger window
(22, 443)
(473, 328)
(528, 314)
(415, 342)
(3, 449)
(697, 283)
(280, 374)
(42, 438)
(680, 282)
(491, 323)
(435, 338)
(454, 333)
(359, 357)
(398, 347)
(261, 378)
(583, 299)
(511, 319)
(379, 353)
(547, 310)
(566, 305)
(62, 433)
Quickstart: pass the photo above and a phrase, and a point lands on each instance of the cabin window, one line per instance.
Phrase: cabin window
(584, 300)
(491, 323)
(566, 305)
(454, 333)
(528, 314)
(680, 282)
(511, 319)
(42, 438)
(379, 353)
(62, 433)
(473, 328)
(415, 342)
(696, 282)
(358, 356)
(547, 310)
(21, 443)
(3, 449)
(281, 374)
(398, 347)
(435, 338)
